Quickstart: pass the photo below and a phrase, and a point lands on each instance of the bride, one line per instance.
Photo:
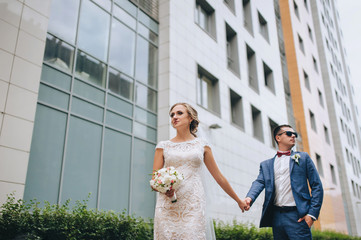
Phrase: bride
(185, 219)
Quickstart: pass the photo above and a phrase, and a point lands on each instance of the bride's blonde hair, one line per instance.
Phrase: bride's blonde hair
(193, 127)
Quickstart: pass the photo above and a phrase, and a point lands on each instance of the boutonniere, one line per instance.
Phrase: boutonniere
(296, 157)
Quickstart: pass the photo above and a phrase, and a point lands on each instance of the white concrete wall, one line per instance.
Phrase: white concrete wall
(183, 45)
(23, 26)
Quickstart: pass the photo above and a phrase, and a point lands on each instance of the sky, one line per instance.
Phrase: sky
(350, 20)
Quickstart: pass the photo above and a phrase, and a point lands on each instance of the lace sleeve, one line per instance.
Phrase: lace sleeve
(204, 142)
(161, 145)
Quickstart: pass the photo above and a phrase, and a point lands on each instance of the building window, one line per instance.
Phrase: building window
(320, 98)
(315, 64)
(252, 68)
(306, 4)
(232, 50)
(208, 91)
(353, 188)
(300, 42)
(313, 121)
(268, 78)
(307, 81)
(263, 27)
(230, 5)
(205, 17)
(348, 156)
(295, 7)
(236, 109)
(333, 174)
(257, 123)
(327, 135)
(319, 165)
(310, 33)
(272, 126)
(247, 16)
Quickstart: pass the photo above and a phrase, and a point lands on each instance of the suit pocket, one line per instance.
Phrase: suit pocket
(306, 196)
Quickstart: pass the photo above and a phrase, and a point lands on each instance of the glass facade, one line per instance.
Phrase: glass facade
(95, 125)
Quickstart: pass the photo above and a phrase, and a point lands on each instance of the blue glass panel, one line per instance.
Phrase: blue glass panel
(93, 33)
(127, 6)
(122, 48)
(147, 21)
(120, 84)
(144, 132)
(89, 92)
(143, 200)
(56, 77)
(59, 54)
(81, 170)
(63, 19)
(54, 97)
(116, 121)
(120, 105)
(145, 117)
(146, 97)
(124, 16)
(146, 67)
(87, 109)
(90, 69)
(115, 182)
(46, 154)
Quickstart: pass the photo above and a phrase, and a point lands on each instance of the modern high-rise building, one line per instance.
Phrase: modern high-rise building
(311, 112)
(343, 115)
(86, 86)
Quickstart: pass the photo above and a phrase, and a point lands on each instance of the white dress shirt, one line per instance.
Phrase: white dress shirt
(284, 196)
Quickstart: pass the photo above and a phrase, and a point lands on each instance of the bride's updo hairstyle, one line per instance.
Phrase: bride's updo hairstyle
(193, 114)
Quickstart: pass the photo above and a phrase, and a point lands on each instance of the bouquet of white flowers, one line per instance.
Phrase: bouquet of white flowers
(166, 179)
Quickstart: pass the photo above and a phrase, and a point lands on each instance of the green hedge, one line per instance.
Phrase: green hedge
(21, 220)
(27, 220)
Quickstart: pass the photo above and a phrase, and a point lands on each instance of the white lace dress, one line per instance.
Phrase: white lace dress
(184, 219)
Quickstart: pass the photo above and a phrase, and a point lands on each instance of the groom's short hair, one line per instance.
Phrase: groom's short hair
(277, 129)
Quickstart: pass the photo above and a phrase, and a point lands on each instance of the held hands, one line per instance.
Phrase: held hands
(248, 201)
(307, 219)
(242, 205)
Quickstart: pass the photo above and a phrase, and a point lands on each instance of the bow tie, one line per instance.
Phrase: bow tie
(279, 154)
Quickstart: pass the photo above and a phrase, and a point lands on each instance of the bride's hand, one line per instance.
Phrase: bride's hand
(243, 205)
(170, 193)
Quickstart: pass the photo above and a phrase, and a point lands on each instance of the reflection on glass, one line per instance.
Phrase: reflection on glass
(146, 97)
(145, 32)
(144, 18)
(58, 53)
(63, 19)
(122, 45)
(106, 4)
(127, 6)
(90, 69)
(93, 30)
(124, 16)
(146, 68)
(120, 84)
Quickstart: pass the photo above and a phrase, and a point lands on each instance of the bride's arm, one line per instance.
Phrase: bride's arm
(220, 179)
(158, 164)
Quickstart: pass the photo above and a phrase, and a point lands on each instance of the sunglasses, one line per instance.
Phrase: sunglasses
(288, 133)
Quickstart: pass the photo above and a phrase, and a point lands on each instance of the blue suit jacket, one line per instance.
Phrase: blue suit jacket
(299, 174)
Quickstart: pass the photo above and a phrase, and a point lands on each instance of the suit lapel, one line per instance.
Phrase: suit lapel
(272, 172)
(292, 162)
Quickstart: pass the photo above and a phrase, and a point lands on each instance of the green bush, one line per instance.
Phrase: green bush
(27, 220)
(240, 231)
(21, 220)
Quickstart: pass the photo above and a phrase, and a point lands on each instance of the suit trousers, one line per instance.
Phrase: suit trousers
(286, 227)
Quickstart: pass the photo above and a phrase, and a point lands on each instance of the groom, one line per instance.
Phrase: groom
(288, 206)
